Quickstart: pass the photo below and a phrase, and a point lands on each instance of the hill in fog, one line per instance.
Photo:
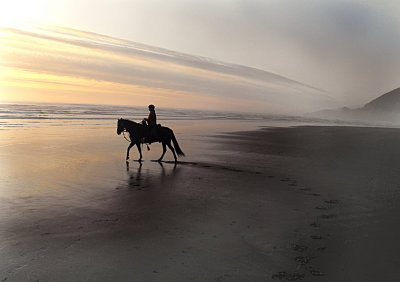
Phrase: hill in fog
(387, 103)
(385, 108)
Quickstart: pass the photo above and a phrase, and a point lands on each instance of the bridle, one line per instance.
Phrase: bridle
(123, 133)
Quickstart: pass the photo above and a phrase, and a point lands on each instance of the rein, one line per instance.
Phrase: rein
(123, 132)
(147, 145)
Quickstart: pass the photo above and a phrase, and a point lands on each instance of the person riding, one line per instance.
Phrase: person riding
(152, 118)
(152, 123)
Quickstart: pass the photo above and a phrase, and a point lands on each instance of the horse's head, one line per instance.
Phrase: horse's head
(120, 126)
(126, 124)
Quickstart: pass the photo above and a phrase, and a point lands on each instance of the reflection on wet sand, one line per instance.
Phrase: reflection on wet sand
(136, 179)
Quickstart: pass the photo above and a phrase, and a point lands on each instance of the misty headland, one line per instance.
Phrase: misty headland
(381, 111)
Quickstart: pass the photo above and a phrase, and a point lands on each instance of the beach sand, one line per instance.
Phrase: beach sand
(300, 203)
(354, 174)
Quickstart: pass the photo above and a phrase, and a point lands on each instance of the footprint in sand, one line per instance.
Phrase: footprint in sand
(305, 189)
(316, 273)
(288, 276)
(332, 202)
(299, 248)
(302, 260)
(315, 224)
(327, 216)
(106, 220)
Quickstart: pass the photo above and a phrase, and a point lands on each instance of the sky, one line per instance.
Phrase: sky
(348, 50)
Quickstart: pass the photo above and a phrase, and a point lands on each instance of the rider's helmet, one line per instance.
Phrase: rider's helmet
(151, 107)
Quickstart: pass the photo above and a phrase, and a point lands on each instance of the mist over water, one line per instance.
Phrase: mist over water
(42, 114)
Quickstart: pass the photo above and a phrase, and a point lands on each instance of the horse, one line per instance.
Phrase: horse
(139, 133)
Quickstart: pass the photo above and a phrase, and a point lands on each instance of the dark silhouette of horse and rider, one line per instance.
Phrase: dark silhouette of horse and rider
(148, 132)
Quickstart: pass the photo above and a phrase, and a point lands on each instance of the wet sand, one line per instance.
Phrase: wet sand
(352, 233)
(302, 203)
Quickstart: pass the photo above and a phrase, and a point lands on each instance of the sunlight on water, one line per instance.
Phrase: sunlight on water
(34, 115)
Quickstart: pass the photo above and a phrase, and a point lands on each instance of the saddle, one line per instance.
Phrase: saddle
(152, 134)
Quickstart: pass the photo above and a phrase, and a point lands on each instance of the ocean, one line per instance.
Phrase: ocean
(14, 115)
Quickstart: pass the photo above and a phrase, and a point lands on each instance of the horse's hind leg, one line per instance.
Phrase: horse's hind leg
(173, 150)
(140, 151)
(164, 148)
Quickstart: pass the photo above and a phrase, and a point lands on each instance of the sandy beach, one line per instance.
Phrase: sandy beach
(353, 176)
(297, 203)
(284, 115)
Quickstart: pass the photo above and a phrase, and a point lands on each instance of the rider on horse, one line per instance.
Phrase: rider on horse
(152, 124)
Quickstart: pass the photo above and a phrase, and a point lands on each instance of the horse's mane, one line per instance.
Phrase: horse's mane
(129, 121)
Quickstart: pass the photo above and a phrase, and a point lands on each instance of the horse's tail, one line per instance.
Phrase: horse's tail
(176, 145)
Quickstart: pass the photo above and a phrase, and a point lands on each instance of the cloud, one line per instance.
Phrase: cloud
(349, 47)
(66, 60)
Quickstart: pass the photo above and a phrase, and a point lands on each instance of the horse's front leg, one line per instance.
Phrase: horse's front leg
(127, 151)
(140, 151)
